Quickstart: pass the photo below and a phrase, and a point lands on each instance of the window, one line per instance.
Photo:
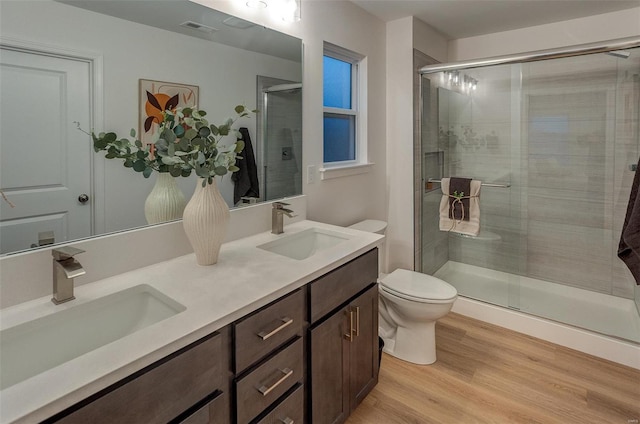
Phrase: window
(344, 129)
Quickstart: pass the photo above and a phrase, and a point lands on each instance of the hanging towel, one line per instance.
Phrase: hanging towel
(455, 215)
(246, 178)
(629, 247)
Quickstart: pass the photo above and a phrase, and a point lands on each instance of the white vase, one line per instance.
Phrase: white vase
(205, 221)
(165, 202)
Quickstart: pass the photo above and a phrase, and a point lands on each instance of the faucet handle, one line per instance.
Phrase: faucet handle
(279, 205)
(65, 252)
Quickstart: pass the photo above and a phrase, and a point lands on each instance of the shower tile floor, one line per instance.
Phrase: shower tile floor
(598, 312)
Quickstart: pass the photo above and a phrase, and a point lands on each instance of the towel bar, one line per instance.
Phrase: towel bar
(499, 185)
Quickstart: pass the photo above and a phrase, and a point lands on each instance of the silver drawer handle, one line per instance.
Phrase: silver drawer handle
(286, 373)
(286, 420)
(285, 322)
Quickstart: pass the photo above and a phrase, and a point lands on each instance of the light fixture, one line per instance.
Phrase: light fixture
(256, 4)
(287, 10)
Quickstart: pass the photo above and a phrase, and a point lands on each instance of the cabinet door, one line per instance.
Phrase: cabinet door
(363, 373)
(330, 370)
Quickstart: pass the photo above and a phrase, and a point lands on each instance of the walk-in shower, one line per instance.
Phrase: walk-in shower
(555, 136)
(280, 134)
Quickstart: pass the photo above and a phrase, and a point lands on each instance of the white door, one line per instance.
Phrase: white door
(45, 162)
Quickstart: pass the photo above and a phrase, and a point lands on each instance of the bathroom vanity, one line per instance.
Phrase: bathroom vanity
(262, 338)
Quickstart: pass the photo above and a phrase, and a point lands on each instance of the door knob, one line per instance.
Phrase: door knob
(83, 198)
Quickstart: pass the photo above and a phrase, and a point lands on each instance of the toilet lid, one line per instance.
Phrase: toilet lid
(371, 226)
(416, 286)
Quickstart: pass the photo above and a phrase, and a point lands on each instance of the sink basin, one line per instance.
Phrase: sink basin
(305, 243)
(35, 346)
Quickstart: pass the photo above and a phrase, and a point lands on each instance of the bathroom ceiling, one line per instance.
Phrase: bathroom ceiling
(468, 18)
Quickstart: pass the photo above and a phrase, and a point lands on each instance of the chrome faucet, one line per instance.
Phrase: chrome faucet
(65, 269)
(276, 216)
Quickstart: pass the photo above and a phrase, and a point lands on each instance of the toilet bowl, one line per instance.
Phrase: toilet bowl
(410, 303)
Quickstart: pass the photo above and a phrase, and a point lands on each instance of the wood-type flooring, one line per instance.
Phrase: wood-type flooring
(488, 374)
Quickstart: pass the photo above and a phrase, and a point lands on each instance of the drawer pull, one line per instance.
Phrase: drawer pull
(357, 321)
(286, 373)
(349, 335)
(284, 322)
(286, 420)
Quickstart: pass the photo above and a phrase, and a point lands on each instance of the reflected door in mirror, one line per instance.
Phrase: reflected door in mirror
(45, 162)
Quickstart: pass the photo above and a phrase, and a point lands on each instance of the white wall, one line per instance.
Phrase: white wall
(132, 51)
(344, 200)
(607, 26)
(403, 35)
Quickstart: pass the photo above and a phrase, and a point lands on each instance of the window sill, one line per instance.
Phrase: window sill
(329, 172)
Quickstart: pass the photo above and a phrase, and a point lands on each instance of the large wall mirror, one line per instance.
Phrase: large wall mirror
(86, 61)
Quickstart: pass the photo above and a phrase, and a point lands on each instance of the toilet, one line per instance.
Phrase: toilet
(410, 303)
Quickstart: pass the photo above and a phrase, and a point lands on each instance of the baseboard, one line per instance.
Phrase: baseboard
(620, 351)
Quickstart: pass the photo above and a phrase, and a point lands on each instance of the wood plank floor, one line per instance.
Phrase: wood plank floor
(488, 374)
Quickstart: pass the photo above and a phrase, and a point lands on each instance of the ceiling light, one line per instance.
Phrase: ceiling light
(256, 4)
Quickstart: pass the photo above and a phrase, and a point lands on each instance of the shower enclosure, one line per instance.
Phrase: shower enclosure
(555, 138)
(279, 131)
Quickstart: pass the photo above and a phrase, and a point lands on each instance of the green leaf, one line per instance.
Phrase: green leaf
(128, 163)
(179, 131)
(138, 144)
(132, 133)
(220, 170)
(147, 172)
(191, 134)
(171, 150)
(204, 132)
(214, 130)
(175, 172)
(239, 109)
(239, 146)
(140, 154)
(186, 172)
(224, 129)
(168, 135)
(139, 165)
(202, 113)
(110, 137)
(162, 144)
(233, 168)
(187, 111)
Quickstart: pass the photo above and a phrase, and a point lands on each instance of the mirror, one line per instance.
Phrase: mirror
(65, 61)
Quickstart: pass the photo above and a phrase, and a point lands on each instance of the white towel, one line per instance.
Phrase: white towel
(470, 227)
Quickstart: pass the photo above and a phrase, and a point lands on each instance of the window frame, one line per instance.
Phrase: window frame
(357, 110)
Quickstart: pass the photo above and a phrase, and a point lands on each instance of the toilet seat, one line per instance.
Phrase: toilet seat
(418, 287)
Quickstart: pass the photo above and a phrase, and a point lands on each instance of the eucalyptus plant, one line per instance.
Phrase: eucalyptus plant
(184, 143)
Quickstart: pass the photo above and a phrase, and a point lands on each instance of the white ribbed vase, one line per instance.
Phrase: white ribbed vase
(165, 202)
(205, 221)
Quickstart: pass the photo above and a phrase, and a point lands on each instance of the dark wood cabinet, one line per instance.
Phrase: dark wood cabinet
(310, 356)
(344, 343)
(191, 381)
(269, 353)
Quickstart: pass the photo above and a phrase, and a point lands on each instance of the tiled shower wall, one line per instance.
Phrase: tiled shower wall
(563, 134)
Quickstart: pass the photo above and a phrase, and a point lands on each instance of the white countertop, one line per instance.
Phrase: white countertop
(244, 279)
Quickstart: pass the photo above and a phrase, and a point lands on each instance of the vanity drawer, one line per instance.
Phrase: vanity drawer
(159, 392)
(338, 286)
(289, 411)
(264, 385)
(211, 410)
(259, 334)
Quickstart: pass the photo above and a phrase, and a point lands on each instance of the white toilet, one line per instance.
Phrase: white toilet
(409, 306)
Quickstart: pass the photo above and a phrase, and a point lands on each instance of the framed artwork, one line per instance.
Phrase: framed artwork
(158, 96)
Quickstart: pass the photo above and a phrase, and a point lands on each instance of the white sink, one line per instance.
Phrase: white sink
(305, 243)
(36, 346)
